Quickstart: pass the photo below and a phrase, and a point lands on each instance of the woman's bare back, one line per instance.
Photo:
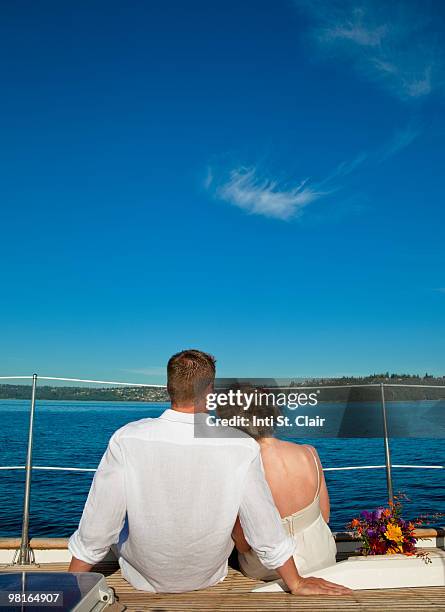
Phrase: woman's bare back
(291, 473)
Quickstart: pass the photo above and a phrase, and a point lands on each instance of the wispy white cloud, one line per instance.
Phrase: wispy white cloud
(247, 189)
(441, 289)
(347, 167)
(391, 43)
(401, 140)
(208, 178)
(264, 196)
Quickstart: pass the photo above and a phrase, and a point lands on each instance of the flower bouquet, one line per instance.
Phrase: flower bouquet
(384, 532)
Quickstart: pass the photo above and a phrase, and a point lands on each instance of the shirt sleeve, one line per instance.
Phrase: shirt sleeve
(261, 521)
(105, 509)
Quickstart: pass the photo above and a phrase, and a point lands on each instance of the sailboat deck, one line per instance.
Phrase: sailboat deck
(234, 594)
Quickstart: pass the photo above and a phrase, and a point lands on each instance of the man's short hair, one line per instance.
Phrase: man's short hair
(189, 373)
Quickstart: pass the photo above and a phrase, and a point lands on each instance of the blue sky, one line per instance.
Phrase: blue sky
(262, 180)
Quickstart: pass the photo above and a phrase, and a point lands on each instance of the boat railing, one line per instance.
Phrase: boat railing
(24, 554)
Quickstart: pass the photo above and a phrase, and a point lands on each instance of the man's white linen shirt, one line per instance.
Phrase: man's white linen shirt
(178, 496)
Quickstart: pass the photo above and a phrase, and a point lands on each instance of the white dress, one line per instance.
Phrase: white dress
(314, 543)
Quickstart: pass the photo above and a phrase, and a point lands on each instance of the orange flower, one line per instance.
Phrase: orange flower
(355, 523)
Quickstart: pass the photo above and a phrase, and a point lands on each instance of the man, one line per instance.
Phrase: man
(169, 499)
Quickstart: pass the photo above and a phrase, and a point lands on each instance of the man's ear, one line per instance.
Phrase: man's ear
(211, 387)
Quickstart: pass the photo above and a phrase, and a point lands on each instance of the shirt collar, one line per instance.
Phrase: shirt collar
(184, 417)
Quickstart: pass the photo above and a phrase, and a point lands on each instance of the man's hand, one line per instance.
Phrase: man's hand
(318, 586)
(308, 586)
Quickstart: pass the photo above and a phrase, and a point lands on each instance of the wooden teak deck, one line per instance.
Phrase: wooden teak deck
(234, 594)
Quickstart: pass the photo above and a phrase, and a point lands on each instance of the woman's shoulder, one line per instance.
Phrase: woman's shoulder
(302, 450)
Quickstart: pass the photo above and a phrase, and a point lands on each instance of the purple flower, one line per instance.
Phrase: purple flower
(378, 513)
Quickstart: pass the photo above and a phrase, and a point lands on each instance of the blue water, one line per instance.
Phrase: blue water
(76, 434)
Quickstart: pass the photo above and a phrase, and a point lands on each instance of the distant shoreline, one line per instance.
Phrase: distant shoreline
(111, 394)
(76, 401)
(156, 394)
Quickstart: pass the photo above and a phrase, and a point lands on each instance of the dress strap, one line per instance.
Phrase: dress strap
(318, 472)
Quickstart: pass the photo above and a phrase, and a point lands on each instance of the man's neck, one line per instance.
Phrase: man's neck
(188, 408)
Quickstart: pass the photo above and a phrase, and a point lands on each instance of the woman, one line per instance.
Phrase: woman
(295, 477)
